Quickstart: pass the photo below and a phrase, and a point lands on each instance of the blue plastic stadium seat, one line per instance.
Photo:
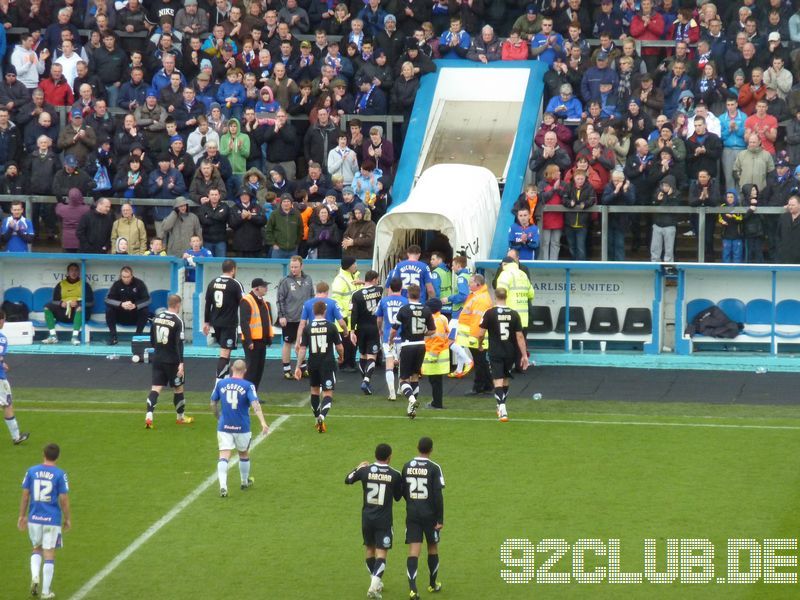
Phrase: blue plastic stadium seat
(41, 297)
(158, 300)
(758, 318)
(787, 316)
(733, 308)
(695, 306)
(19, 294)
(99, 308)
(758, 312)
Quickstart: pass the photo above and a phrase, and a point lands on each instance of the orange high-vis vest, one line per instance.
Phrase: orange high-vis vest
(469, 321)
(255, 324)
(437, 348)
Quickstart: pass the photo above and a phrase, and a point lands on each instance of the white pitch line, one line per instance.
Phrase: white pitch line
(89, 586)
(492, 419)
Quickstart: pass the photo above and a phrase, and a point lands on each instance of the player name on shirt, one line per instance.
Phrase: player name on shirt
(413, 320)
(222, 302)
(502, 324)
(380, 477)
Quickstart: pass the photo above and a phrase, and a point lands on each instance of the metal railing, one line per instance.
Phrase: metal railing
(701, 211)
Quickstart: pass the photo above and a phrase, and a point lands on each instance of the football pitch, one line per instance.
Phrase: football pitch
(148, 521)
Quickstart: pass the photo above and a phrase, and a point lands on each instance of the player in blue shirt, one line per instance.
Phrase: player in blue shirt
(44, 511)
(413, 271)
(333, 314)
(236, 395)
(5, 389)
(386, 313)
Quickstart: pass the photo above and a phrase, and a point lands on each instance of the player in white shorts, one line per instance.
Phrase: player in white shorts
(233, 428)
(43, 510)
(385, 313)
(5, 390)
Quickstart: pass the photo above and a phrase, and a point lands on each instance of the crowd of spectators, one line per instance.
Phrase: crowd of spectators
(706, 114)
(205, 91)
(194, 102)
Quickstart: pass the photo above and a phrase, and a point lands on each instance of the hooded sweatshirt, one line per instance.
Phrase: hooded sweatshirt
(70, 215)
(731, 224)
(266, 105)
(236, 148)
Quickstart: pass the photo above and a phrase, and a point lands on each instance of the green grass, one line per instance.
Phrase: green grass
(557, 470)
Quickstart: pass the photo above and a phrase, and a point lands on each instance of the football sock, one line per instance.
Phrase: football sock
(411, 571)
(152, 400)
(505, 392)
(287, 367)
(222, 473)
(36, 565)
(390, 382)
(315, 404)
(416, 389)
(13, 427)
(433, 566)
(461, 357)
(380, 567)
(371, 564)
(326, 406)
(498, 395)
(222, 367)
(369, 369)
(407, 390)
(362, 366)
(180, 403)
(244, 469)
(47, 576)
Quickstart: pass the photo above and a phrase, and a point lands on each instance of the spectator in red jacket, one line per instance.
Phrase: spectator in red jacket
(515, 48)
(56, 89)
(648, 25)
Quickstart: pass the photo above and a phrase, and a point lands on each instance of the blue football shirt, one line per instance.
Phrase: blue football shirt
(236, 396)
(3, 351)
(45, 484)
(412, 272)
(332, 314)
(387, 308)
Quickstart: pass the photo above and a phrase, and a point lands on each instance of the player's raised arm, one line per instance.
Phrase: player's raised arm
(353, 475)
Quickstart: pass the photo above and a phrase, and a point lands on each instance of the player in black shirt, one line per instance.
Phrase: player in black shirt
(423, 483)
(166, 339)
(382, 485)
(414, 322)
(223, 296)
(506, 342)
(320, 337)
(364, 333)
